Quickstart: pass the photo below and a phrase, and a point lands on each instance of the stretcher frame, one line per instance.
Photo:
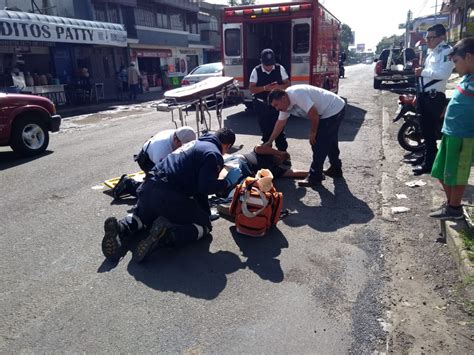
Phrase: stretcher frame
(198, 96)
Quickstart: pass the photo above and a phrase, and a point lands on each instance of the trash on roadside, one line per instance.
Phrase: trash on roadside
(400, 196)
(415, 183)
(400, 209)
(97, 187)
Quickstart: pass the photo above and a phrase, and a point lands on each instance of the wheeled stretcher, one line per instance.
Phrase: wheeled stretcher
(198, 96)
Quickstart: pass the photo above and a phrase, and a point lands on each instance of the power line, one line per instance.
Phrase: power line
(418, 12)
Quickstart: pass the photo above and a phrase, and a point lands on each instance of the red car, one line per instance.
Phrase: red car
(25, 122)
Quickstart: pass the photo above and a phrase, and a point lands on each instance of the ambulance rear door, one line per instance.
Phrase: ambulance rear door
(232, 50)
(300, 50)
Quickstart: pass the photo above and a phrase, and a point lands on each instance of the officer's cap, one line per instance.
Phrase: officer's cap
(267, 57)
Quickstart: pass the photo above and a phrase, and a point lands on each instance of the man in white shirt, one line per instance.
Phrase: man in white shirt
(264, 78)
(431, 103)
(153, 151)
(325, 111)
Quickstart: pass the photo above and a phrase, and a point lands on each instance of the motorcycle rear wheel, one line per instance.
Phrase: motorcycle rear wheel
(410, 138)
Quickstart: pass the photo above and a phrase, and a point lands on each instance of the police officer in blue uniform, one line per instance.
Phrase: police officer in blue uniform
(431, 103)
(264, 78)
(173, 198)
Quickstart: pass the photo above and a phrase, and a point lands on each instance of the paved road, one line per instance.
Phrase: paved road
(313, 285)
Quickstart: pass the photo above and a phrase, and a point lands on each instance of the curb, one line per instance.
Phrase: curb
(455, 244)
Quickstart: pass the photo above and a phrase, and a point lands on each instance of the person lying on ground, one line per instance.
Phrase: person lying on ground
(153, 151)
(173, 199)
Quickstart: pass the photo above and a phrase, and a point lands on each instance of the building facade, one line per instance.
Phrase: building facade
(461, 18)
(165, 38)
(46, 48)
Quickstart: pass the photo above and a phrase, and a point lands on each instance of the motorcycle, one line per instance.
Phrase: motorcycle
(409, 135)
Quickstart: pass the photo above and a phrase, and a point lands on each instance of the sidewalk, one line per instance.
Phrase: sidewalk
(69, 111)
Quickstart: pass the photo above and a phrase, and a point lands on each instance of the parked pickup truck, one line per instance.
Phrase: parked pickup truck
(395, 65)
(25, 123)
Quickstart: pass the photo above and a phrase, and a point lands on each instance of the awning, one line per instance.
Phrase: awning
(17, 25)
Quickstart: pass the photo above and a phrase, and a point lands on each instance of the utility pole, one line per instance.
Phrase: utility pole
(407, 27)
(436, 11)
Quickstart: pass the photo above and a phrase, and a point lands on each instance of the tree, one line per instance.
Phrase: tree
(388, 42)
(346, 38)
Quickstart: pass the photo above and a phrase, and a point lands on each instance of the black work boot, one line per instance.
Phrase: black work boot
(311, 182)
(160, 235)
(115, 242)
(122, 188)
(333, 172)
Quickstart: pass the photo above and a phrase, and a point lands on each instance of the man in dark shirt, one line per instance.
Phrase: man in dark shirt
(264, 78)
(173, 199)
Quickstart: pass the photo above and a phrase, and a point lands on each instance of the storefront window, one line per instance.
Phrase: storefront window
(106, 64)
(145, 17)
(114, 16)
(162, 19)
(191, 23)
(176, 20)
(100, 12)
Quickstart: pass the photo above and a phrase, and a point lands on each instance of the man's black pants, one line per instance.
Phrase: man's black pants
(157, 198)
(327, 145)
(267, 116)
(431, 109)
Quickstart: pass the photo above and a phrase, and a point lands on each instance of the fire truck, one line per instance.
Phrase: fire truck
(303, 35)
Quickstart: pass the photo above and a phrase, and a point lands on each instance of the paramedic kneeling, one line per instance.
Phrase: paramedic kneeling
(325, 110)
(153, 151)
(173, 198)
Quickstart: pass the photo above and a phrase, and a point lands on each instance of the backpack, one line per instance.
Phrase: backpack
(254, 210)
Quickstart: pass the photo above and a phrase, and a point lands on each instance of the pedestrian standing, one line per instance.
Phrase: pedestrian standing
(432, 101)
(325, 111)
(452, 165)
(133, 81)
(264, 78)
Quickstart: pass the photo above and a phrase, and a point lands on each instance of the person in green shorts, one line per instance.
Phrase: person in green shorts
(452, 165)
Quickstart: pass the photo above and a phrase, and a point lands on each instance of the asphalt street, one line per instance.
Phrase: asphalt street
(313, 285)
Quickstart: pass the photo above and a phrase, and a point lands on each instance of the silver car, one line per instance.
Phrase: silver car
(202, 72)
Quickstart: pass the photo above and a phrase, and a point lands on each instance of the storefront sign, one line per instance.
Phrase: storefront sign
(187, 51)
(11, 29)
(155, 53)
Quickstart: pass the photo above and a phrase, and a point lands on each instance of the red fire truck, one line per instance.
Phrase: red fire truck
(303, 35)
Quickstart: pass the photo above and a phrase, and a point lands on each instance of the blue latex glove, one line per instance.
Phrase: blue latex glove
(233, 177)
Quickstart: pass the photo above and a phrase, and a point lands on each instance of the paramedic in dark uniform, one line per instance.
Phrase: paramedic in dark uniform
(264, 78)
(173, 199)
(435, 74)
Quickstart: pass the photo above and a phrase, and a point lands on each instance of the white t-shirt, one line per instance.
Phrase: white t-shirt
(160, 145)
(254, 76)
(303, 97)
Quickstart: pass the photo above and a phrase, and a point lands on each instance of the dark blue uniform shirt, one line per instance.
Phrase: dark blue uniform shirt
(194, 168)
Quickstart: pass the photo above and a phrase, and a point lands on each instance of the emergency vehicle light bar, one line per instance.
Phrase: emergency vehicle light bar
(268, 10)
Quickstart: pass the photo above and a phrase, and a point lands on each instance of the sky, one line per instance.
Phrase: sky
(371, 19)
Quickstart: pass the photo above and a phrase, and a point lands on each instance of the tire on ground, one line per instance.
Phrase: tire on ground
(29, 124)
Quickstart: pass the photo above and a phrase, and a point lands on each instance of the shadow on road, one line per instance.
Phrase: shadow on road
(336, 210)
(261, 253)
(351, 123)
(11, 159)
(193, 270)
